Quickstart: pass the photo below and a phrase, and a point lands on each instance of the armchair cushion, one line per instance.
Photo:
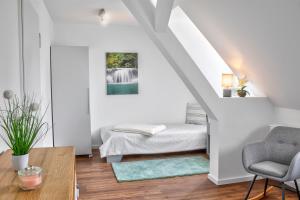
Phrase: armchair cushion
(254, 153)
(270, 168)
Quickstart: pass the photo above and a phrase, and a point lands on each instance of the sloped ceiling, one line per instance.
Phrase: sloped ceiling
(258, 38)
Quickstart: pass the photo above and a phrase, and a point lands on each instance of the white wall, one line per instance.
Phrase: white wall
(9, 49)
(287, 116)
(47, 36)
(244, 121)
(162, 95)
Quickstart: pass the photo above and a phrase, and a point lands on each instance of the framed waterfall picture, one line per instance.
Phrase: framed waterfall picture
(121, 73)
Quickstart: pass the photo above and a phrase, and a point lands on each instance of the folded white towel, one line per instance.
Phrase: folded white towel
(144, 129)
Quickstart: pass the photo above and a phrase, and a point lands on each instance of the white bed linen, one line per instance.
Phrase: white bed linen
(177, 137)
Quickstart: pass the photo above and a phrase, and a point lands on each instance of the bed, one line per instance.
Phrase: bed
(193, 135)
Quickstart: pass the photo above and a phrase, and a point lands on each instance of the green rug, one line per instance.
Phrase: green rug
(160, 168)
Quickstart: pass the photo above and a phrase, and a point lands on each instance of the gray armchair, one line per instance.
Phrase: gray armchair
(276, 158)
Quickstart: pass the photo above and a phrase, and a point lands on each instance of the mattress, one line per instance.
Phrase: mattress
(177, 137)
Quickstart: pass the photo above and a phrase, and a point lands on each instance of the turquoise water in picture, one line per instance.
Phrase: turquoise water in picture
(122, 81)
(122, 88)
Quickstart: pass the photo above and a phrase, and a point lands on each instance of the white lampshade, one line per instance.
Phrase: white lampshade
(227, 80)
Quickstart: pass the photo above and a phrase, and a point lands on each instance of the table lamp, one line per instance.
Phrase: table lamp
(227, 82)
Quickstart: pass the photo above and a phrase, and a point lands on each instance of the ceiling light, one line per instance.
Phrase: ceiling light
(101, 16)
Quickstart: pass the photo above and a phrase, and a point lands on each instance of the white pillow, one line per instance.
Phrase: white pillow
(195, 114)
(144, 129)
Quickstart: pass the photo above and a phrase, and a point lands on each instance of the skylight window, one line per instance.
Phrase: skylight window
(197, 46)
(154, 2)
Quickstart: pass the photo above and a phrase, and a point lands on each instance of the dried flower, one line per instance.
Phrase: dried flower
(242, 82)
(34, 107)
(8, 94)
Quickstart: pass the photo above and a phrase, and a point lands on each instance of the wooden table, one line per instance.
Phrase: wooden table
(59, 177)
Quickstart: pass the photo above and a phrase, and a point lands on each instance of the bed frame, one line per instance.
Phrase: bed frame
(190, 116)
(111, 159)
(118, 158)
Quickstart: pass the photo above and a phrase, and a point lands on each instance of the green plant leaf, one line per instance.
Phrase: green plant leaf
(22, 127)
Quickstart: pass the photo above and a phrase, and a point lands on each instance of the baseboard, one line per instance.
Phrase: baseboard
(95, 146)
(212, 178)
(229, 180)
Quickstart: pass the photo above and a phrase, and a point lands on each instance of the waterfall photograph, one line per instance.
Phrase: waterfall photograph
(121, 73)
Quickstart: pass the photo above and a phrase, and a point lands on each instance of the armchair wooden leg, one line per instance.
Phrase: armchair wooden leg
(261, 195)
(297, 189)
(282, 191)
(250, 187)
(266, 186)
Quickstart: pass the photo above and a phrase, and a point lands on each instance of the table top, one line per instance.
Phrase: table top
(58, 175)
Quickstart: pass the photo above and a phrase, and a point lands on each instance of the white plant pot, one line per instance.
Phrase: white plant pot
(20, 162)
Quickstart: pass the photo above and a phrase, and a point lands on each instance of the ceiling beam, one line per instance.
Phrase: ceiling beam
(162, 14)
(178, 58)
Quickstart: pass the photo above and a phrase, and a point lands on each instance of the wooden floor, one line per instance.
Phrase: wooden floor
(97, 182)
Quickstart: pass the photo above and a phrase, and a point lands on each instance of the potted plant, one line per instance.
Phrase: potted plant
(23, 126)
(242, 92)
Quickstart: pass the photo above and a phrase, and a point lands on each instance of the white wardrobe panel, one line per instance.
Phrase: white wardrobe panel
(70, 97)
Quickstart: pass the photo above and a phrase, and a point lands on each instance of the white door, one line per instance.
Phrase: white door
(70, 97)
